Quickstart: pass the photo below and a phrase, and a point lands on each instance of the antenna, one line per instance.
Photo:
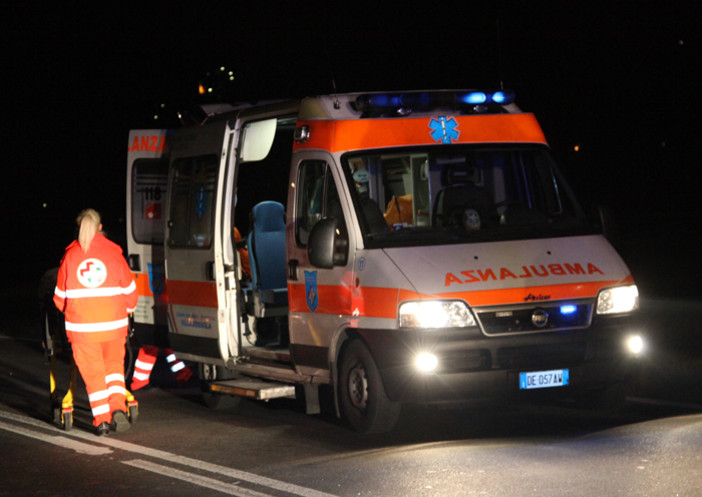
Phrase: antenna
(327, 56)
(499, 52)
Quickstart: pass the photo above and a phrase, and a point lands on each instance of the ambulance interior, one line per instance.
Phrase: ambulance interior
(258, 231)
(458, 194)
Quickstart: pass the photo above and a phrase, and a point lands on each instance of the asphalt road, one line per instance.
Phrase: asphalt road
(653, 447)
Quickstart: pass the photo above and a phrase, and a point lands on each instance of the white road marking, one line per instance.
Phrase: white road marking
(665, 403)
(227, 488)
(66, 443)
(170, 458)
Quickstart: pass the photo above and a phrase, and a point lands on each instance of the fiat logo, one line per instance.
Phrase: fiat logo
(539, 318)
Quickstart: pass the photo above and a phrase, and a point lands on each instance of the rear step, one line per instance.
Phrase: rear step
(254, 389)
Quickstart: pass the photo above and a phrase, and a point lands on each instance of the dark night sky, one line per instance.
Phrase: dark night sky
(621, 79)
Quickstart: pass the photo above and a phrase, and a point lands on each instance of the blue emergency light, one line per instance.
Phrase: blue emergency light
(568, 309)
(474, 97)
(406, 102)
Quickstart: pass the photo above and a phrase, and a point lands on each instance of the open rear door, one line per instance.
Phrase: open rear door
(147, 180)
(212, 167)
(197, 305)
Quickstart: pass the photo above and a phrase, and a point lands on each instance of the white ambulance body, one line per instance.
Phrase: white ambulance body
(417, 247)
(147, 179)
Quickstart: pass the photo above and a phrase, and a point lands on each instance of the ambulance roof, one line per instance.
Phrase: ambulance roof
(404, 103)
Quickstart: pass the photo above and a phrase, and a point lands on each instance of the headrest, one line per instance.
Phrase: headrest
(268, 216)
(459, 175)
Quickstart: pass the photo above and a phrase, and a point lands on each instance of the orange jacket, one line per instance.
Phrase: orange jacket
(243, 255)
(96, 291)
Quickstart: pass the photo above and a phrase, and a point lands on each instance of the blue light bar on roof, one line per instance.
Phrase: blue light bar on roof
(502, 97)
(406, 102)
(474, 97)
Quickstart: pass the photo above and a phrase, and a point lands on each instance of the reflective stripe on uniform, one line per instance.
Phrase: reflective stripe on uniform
(177, 367)
(110, 291)
(114, 377)
(117, 390)
(96, 327)
(146, 366)
(101, 409)
(98, 396)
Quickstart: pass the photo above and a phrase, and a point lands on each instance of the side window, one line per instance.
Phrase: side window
(192, 201)
(317, 198)
(149, 185)
(542, 183)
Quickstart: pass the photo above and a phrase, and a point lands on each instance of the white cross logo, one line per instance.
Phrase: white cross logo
(91, 273)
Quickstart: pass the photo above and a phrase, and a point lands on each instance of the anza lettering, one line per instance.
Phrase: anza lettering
(148, 143)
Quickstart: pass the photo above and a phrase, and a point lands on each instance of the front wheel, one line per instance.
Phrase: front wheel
(364, 404)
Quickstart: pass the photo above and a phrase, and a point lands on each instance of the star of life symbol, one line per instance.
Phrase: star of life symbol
(444, 129)
(91, 273)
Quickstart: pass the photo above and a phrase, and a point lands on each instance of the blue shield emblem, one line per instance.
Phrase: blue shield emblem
(156, 279)
(311, 290)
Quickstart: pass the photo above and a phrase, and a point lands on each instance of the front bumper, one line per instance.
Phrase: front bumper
(474, 366)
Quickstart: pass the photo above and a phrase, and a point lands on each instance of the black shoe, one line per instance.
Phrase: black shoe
(103, 430)
(120, 421)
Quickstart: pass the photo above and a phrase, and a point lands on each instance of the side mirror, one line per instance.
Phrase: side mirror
(325, 247)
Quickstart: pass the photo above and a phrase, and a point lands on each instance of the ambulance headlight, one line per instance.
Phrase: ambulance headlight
(618, 299)
(435, 314)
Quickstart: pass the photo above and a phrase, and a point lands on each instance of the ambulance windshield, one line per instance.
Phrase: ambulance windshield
(453, 194)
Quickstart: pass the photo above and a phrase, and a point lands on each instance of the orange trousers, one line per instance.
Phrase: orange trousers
(101, 365)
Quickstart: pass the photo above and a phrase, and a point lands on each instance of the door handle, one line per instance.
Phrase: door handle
(134, 262)
(292, 269)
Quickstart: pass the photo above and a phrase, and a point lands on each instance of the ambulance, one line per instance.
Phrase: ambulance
(395, 248)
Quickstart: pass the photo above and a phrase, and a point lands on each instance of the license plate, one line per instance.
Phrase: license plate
(543, 379)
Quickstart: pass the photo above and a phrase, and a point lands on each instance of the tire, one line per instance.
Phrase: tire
(133, 414)
(68, 420)
(364, 404)
(56, 416)
(207, 374)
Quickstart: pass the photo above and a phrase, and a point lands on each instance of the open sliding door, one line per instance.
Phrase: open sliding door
(193, 243)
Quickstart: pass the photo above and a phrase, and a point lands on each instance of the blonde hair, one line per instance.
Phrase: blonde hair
(88, 225)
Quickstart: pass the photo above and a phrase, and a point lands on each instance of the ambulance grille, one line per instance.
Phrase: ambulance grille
(541, 356)
(498, 321)
(456, 361)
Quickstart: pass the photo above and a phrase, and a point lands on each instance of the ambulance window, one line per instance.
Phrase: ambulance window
(149, 185)
(192, 202)
(543, 183)
(317, 198)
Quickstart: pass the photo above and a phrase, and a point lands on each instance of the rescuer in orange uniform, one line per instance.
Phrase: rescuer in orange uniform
(146, 360)
(96, 292)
